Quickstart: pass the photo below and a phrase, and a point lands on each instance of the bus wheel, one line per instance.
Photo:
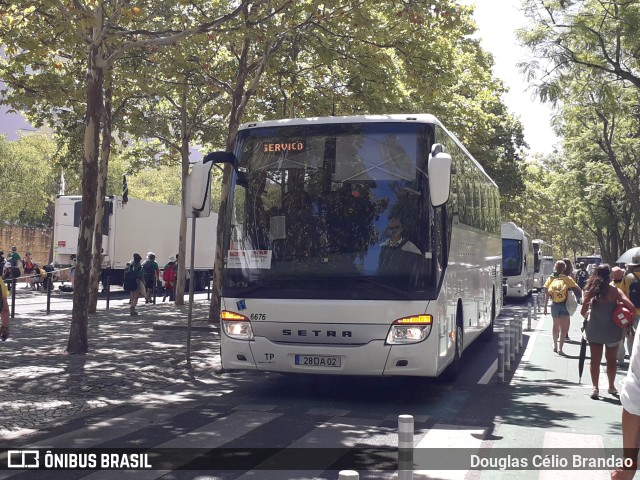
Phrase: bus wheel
(487, 335)
(452, 371)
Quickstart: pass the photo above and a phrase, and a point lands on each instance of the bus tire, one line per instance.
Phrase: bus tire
(487, 335)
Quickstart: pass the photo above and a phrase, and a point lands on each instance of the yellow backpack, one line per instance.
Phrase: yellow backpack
(558, 290)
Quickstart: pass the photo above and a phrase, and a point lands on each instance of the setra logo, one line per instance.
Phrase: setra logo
(23, 459)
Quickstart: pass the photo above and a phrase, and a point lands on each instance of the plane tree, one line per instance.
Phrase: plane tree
(591, 48)
(100, 33)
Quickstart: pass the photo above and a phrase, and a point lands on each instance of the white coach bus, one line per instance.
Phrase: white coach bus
(364, 245)
(517, 261)
(541, 250)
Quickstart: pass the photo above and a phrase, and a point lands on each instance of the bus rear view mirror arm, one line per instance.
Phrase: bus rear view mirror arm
(227, 157)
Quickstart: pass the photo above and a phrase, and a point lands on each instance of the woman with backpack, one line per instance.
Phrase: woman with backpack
(600, 300)
(556, 287)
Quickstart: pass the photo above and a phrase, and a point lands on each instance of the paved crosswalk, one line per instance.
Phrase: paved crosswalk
(327, 434)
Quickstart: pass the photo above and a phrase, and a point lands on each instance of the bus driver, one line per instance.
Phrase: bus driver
(397, 254)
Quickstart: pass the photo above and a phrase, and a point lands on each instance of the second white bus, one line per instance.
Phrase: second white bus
(364, 245)
(541, 250)
(517, 261)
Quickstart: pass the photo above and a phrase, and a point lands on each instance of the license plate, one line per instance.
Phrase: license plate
(318, 361)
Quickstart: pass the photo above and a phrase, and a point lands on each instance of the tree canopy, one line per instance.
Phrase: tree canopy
(157, 77)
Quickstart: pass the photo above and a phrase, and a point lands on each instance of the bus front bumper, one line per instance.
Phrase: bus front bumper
(372, 359)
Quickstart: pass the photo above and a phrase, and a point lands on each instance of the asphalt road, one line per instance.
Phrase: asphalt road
(135, 390)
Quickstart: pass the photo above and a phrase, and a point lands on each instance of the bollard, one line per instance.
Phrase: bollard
(500, 375)
(521, 334)
(348, 475)
(49, 281)
(108, 287)
(14, 287)
(515, 327)
(507, 346)
(529, 317)
(405, 447)
(514, 332)
(535, 304)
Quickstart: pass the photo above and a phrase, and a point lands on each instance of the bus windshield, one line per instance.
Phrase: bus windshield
(332, 211)
(511, 257)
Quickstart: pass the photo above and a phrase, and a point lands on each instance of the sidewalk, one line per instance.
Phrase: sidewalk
(129, 359)
(549, 408)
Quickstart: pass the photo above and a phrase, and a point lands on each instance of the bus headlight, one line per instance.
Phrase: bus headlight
(517, 285)
(411, 329)
(236, 326)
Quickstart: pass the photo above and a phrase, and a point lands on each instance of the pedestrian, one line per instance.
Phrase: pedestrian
(618, 281)
(568, 269)
(581, 278)
(630, 399)
(134, 281)
(29, 267)
(169, 277)
(4, 311)
(151, 275)
(631, 288)
(600, 300)
(557, 287)
(14, 257)
(2, 261)
(6, 275)
(15, 264)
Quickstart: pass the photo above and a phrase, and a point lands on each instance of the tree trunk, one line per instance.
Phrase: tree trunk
(78, 338)
(96, 266)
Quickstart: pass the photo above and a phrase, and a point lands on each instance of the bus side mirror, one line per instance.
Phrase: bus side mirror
(439, 178)
(218, 158)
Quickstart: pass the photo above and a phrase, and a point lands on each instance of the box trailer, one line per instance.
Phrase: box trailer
(137, 226)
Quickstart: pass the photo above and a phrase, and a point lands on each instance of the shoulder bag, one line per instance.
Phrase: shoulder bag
(572, 302)
(622, 316)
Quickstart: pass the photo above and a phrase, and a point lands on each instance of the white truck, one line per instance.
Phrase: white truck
(137, 226)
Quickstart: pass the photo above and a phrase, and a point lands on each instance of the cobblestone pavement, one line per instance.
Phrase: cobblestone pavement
(131, 360)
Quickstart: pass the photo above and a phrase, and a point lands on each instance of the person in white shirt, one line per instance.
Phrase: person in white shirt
(630, 399)
(396, 239)
(399, 257)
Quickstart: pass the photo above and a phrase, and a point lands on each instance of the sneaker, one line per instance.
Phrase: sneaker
(555, 349)
(560, 352)
(594, 393)
(613, 391)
